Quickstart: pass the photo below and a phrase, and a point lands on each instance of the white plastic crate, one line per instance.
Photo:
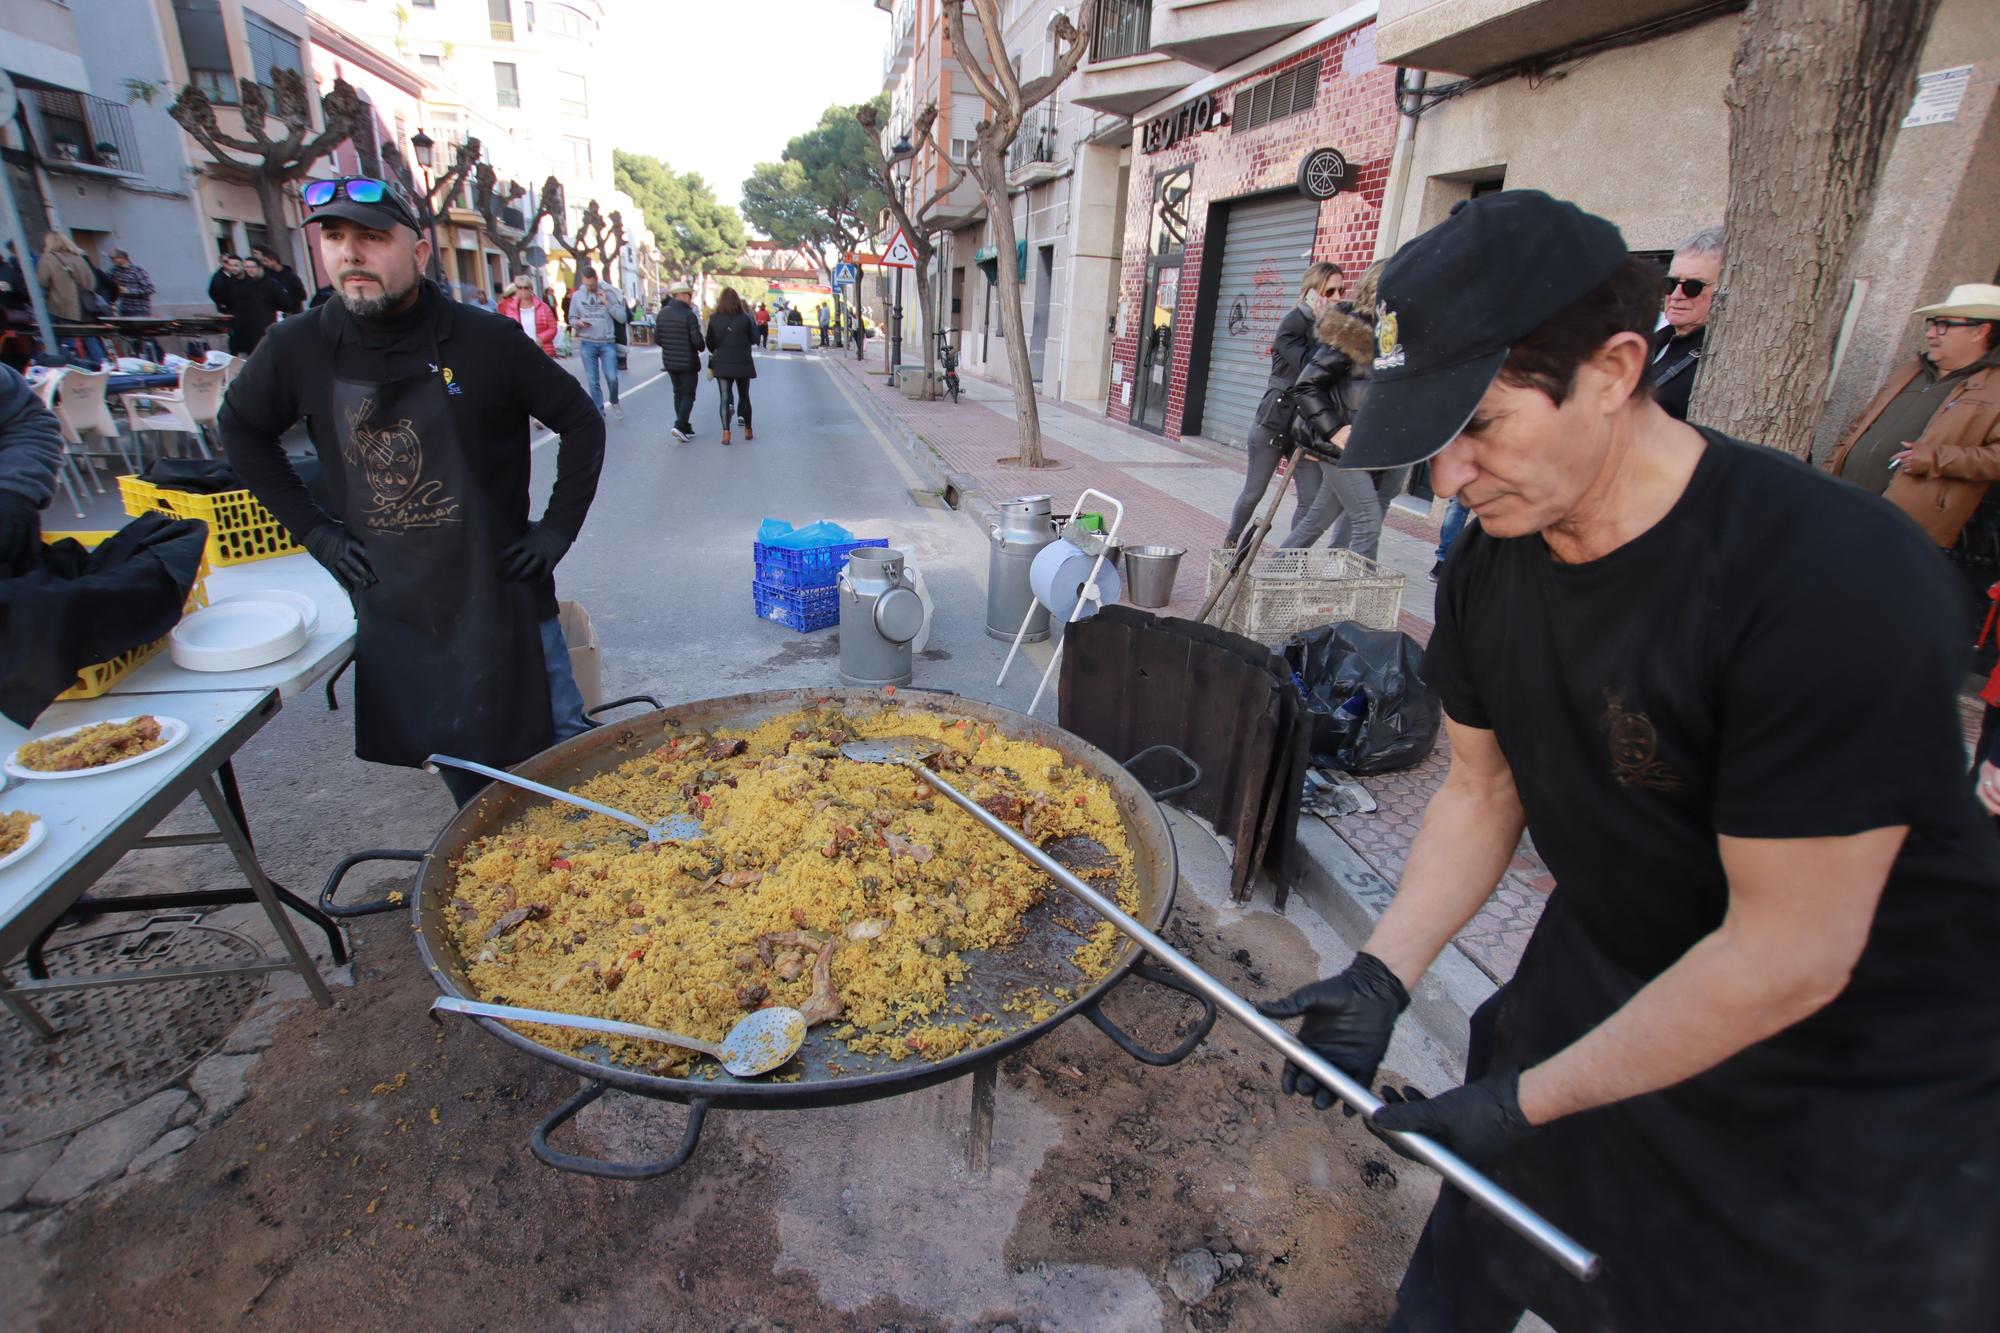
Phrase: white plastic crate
(1286, 591)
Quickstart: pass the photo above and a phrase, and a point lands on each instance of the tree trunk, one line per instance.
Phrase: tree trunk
(271, 198)
(926, 302)
(1816, 92)
(990, 168)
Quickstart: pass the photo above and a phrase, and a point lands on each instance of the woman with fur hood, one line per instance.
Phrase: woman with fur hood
(1270, 435)
(1325, 397)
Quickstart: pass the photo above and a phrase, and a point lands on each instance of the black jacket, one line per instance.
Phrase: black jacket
(678, 332)
(729, 347)
(291, 289)
(1291, 346)
(1674, 371)
(1328, 389)
(500, 380)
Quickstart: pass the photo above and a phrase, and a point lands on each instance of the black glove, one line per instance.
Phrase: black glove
(1347, 1020)
(1479, 1121)
(20, 533)
(534, 555)
(336, 548)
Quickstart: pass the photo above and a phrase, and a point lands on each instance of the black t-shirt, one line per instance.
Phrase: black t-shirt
(1778, 657)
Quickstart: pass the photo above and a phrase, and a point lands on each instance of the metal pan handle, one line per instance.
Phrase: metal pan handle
(538, 1143)
(328, 906)
(1178, 788)
(607, 706)
(1159, 977)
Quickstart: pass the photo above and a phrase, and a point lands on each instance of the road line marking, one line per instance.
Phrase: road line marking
(544, 435)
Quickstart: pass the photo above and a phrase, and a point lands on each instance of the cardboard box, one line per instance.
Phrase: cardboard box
(585, 658)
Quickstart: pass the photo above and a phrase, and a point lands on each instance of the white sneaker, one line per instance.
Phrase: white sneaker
(617, 412)
(680, 434)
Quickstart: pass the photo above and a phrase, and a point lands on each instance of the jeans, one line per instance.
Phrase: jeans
(1265, 450)
(685, 383)
(823, 331)
(1454, 523)
(600, 356)
(565, 704)
(1355, 498)
(742, 404)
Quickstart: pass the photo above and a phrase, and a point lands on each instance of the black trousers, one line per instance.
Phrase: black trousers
(741, 405)
(685, 383)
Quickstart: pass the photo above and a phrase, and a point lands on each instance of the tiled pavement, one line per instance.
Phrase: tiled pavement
(1180, 493)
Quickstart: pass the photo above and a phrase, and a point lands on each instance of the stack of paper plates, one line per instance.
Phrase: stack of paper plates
(307, 608)
(236, 635)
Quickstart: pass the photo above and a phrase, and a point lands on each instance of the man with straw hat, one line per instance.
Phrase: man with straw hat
(678, 332)
(1929, 442)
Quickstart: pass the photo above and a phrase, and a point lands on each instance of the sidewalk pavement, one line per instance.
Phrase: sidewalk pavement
(1181, 492)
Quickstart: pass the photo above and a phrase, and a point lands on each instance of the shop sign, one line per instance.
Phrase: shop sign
(1197, 117)
(1325, 172)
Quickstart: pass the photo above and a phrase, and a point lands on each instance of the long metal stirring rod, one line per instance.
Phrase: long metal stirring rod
(1530, 1225)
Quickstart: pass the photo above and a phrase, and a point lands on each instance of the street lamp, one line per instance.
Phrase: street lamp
(422, 144)
(899, 168)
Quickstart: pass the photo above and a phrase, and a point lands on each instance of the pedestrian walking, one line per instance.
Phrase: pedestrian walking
(291, 287)
(825, 323)
(858, 326)
(419, 409)
(595, 312)
(1692, 280)
(730, 361)
(134, 286)
(1328, 392)
(763, 318)
(679, 334)
(1449, 531)
(1270, 431)
(533, 314)
(1749, 1053)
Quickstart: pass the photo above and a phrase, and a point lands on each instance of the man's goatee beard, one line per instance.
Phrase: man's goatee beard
(374, 307)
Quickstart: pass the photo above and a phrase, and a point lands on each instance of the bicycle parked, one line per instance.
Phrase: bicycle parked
(948, 358)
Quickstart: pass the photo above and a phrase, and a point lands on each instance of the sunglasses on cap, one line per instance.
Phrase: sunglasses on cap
(1940, 322)
(1693, 287)
(359, 189)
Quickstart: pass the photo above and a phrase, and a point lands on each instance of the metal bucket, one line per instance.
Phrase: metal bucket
(1149, 573)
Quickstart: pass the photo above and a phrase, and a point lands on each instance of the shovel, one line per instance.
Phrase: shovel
(911, 751)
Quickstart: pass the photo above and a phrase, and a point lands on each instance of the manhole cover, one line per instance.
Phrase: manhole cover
(118, 1045)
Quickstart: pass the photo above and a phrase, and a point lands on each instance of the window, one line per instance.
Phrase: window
(575, 97)
(564, 21)
(579, 152)
(506, 84)
(1274, 98)
(425, 4)
(434, 64)
(225, 236)
(205, 47)
(271, 47)
(500, 14)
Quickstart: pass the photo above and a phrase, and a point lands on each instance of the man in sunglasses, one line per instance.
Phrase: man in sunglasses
(1677, 344)
(419, 409)
(1929, 443)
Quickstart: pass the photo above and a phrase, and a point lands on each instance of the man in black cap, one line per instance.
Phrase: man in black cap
(419, 410)
(1751, 1054)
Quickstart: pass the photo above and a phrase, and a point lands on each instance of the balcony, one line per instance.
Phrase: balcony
(501, 32)
(1037, 153)
(1479, 36)
(1217, 33)
(902, 40)
(78, 132)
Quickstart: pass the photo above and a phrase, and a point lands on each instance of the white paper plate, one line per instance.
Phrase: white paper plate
(172, 730)
(237, 635)
(39, 831)
(307, 608)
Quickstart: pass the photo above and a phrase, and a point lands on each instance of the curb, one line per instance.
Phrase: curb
(1337, 883)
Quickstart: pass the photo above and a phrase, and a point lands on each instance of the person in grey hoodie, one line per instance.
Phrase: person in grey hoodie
(595, 312)
(30, 452)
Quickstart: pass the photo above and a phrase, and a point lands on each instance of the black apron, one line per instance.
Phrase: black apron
(1794, 1186)
(448, 655)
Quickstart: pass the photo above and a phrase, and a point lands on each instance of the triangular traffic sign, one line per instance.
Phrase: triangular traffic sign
(898, 254)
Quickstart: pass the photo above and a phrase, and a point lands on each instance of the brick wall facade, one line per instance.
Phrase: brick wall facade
(1354, 111)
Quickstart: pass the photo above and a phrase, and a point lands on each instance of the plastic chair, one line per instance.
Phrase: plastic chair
(46, 388)
(81, 406)
(190, 409)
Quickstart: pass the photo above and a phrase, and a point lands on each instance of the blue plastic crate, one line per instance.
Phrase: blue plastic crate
(803, 609)
(782, 567)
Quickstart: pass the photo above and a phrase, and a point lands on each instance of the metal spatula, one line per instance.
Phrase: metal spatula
(674, 828)
(759, 1042)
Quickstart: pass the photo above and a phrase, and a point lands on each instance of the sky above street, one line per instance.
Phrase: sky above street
(717, 86)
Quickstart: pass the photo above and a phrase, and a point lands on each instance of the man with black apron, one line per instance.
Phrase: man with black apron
(1752, 1052)
(419, 409)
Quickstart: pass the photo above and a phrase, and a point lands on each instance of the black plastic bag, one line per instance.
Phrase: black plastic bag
(1371, 710)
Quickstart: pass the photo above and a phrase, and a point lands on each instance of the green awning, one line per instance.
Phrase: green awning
(988, 258)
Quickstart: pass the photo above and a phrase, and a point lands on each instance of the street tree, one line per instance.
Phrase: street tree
(275, 161)
(489, 198)
(1813, 100)
(822, 195)
(1008, 100)
(695, 231)
(432, 203)
(914, 217)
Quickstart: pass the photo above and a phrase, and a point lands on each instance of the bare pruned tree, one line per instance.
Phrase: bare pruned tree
(915, 222)
(431, 203)
(490, 199)
(1008, 101)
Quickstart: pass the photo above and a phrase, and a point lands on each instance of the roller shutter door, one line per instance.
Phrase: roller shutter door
(1266, 248)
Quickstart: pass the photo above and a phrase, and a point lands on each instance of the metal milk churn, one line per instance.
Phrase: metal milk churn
(880, 613)
(1025, 527)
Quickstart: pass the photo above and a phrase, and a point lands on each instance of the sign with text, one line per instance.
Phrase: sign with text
(1938, 94)
(1197, 117)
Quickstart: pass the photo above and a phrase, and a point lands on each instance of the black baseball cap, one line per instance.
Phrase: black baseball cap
(364, 199)
(1452, 304)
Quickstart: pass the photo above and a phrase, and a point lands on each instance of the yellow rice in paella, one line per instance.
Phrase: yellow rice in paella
(808, 863)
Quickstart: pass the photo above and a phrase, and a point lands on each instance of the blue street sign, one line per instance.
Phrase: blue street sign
(844, 274)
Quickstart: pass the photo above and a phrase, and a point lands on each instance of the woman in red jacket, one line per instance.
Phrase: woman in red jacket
(536, 317)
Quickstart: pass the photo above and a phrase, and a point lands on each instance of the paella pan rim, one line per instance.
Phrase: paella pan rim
(1146, 829)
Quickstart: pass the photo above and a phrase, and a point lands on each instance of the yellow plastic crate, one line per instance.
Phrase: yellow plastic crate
(240, 529)
(94, 680)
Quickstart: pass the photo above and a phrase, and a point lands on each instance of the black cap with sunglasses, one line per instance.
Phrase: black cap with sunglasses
(372, 203)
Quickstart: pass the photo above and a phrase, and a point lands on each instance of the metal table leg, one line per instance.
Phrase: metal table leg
(24, 1011)
(238, 843)
(328, 926)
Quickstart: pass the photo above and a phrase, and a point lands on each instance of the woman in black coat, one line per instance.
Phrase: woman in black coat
(730, 333)
(1268, 433)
